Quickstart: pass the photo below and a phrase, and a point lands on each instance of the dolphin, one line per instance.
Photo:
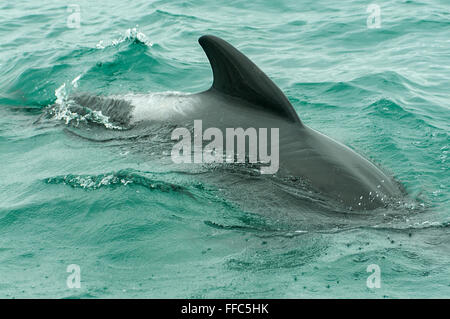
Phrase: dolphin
(243, 96)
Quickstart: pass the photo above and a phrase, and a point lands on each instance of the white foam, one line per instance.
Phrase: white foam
(130, 34)
(61, 109)
(75, 81)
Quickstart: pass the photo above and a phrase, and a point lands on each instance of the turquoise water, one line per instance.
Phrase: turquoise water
(139, 228)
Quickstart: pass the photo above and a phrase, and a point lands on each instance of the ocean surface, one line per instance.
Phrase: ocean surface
(74, 191)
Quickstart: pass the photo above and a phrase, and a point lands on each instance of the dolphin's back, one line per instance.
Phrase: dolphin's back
(242, 96)
(329, 166)
(117, 110)
(337, 171)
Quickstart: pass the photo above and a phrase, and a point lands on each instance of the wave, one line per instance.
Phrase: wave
(122, 178)
(132, 35)
(101, 66)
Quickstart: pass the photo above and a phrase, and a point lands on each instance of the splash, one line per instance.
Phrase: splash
(132, 34)
(65, 109)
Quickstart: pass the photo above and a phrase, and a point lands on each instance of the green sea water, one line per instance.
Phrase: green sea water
(138, 228)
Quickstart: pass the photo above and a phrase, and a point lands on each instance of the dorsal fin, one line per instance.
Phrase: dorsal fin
(235, 75)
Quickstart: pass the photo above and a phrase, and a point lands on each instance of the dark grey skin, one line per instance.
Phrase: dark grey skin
(243, 96)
